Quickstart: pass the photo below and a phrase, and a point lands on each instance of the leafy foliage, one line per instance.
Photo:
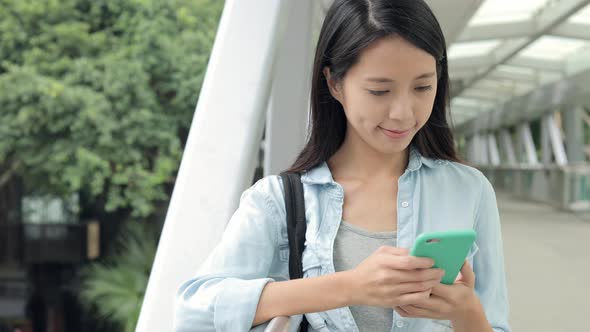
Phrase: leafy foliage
(96, 96)
(114, 289)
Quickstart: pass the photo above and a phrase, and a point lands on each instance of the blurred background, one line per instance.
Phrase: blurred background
(100, 221)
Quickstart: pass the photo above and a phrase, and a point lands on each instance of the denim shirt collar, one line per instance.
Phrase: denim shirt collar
(321, 174)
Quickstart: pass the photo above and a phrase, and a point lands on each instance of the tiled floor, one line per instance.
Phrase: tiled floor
(547, 256)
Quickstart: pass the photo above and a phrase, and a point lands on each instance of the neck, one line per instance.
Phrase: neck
(355, 159)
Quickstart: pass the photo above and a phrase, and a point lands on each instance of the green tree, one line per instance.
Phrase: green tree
(97, 96)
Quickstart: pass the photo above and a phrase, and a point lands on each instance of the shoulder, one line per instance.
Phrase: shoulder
(459, 178)
(461, 174)
(270, 187)
(475, 179)
(467, 172)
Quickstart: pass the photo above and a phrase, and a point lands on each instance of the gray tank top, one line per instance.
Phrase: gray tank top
(351, 247)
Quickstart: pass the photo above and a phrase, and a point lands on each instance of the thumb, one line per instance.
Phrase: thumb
(467, 276)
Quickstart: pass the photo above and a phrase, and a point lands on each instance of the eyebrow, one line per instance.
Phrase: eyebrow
(387, 80)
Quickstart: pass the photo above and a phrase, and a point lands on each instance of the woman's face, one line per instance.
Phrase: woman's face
(388, 95)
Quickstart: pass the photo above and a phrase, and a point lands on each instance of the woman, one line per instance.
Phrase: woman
(379, 169)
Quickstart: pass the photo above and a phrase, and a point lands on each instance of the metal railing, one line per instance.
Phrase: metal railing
(565, 187)
(279, 324)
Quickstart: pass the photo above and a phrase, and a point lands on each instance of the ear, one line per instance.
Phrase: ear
(335, 89)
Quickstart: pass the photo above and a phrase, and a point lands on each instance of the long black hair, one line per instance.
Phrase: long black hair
(349, 27)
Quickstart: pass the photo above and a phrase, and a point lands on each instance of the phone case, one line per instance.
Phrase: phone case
(448, 249)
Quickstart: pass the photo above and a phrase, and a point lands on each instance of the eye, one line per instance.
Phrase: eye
(378, 93)
(424, 88)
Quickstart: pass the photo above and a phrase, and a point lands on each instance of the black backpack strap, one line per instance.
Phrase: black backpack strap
(296, 227)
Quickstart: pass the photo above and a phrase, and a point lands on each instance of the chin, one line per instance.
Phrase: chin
(388, 146)
(393, 148)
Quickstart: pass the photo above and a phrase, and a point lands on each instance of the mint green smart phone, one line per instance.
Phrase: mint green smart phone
(448, 249)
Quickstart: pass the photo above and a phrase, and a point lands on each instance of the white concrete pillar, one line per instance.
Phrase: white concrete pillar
(494, 153)
(573, 125)
(221, 152)
(547, 149)
(556, 139)
(508, 147)
(528, 144)
(287, 118)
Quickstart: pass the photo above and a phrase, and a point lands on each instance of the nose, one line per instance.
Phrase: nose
(400, 108)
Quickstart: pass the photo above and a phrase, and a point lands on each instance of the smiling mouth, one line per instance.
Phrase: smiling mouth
(398, 132)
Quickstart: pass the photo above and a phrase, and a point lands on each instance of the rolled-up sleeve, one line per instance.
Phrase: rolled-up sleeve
(224, 294)
(488, 266)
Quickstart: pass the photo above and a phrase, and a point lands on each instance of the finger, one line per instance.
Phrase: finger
(408, 263)
(467, 275)
(442, 290)
(400, 310)
(394, 250)
(404, 261)
(402, 251)
(413, 287)
(413, 311)
(410, 298)
(420, 275)
(433, 303)
(398, 259)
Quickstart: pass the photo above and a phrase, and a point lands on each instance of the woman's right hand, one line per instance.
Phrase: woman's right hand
(390, 277)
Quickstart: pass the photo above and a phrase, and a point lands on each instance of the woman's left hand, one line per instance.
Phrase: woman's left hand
(447, 302)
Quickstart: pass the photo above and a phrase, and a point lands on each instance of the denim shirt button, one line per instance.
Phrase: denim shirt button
(405, 204)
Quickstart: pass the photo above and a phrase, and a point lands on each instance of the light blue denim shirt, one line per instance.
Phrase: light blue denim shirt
(433, 195)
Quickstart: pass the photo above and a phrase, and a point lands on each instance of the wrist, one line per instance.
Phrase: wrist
(471, 312)
(350, 288)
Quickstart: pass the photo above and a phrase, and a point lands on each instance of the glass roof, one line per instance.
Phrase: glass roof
(501, 11)
(496, 64)
(553, 48)
(515, 70)
(520, 74)
(478, 48)
(582, 17)
(472, 103)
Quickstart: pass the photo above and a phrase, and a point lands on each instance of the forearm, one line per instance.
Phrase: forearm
(294, 297)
